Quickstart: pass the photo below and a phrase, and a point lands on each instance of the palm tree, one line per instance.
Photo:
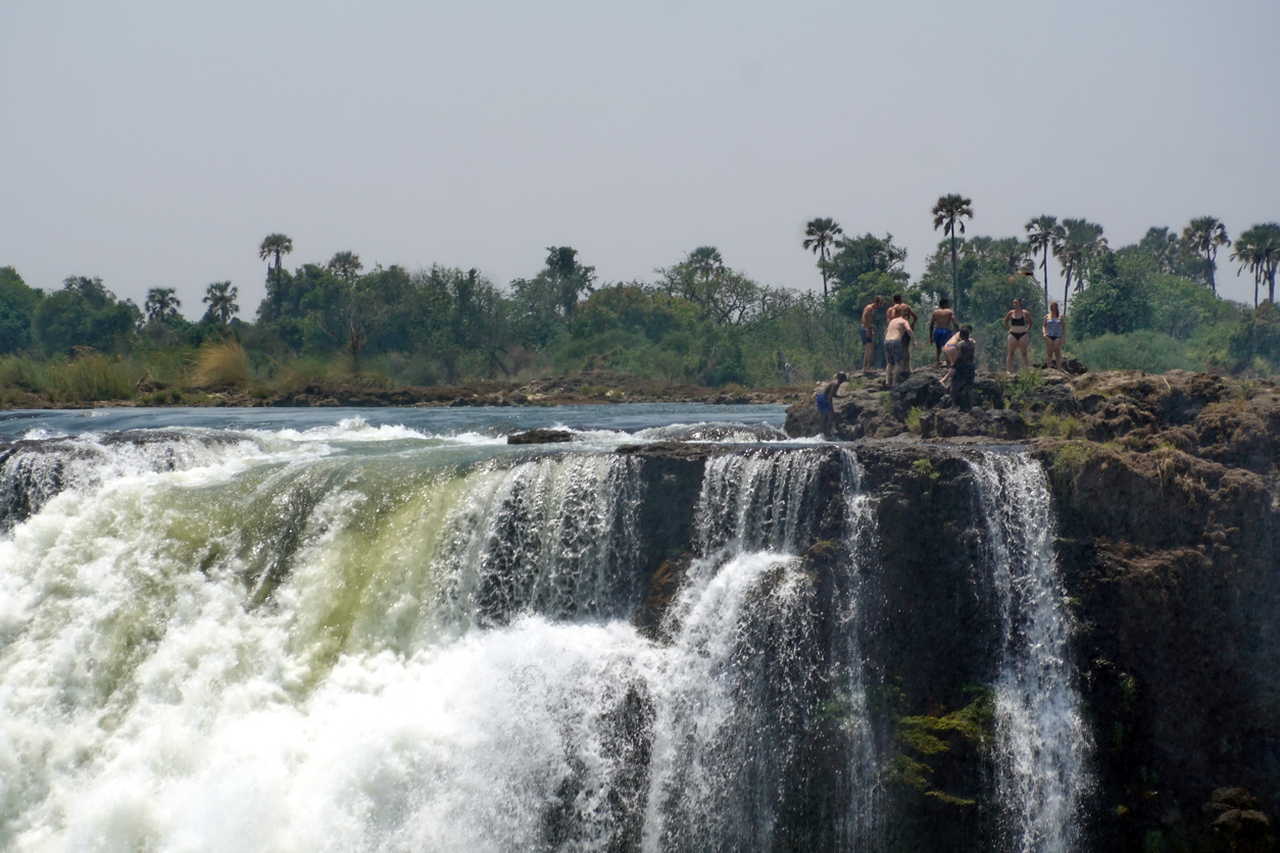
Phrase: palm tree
(1164, 248)
(949, 214)
(1044, 235)
(1204, 236)
(161, 304)
(275, 246)
(345, 265)
(221, 297)
(819, 235)
(1258, 250)
(1082, 241)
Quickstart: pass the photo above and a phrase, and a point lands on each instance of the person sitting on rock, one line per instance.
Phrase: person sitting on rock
(894, 349)
(826, 403)
(965, 370)
(942, 326)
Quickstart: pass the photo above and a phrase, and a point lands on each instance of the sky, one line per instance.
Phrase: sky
(155, 144)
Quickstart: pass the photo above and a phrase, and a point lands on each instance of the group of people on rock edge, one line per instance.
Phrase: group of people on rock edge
(951, 341)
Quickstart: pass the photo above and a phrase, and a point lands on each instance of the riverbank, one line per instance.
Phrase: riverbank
(589, 387)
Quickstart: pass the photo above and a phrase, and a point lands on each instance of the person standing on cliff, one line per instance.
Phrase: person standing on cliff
(964, 371)
(903, 310)
(942, 325)
(894, 348)
(868, 332)
(826, 403)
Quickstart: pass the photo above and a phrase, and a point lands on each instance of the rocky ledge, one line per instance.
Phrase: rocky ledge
(1233, 422)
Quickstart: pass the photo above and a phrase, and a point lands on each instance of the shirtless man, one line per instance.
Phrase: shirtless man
(826, 403)
(942, 326)
(895, 348)
(902, 309)
(868, 332)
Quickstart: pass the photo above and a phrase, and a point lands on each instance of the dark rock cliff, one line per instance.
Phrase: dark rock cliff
(1171, 576)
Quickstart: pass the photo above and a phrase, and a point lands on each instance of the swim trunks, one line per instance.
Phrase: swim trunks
(941, 336)
(824, 405)
(867, 335)
(893, 351)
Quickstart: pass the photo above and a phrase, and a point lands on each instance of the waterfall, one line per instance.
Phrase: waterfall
(269, 647)
(1042, 741)
(863, 826)
(737, 675)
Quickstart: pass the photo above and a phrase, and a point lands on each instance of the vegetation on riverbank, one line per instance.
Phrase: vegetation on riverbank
(699, 324)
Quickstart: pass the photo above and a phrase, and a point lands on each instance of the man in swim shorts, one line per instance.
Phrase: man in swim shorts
(902, 309)
(868, 332)
(894, 349)
(826, 403)
(941, 327)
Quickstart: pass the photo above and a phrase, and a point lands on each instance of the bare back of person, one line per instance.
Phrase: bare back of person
(894, 349)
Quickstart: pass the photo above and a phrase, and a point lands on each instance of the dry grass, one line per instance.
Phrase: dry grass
(221, 365)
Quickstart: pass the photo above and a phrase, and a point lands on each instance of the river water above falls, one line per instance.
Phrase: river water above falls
(390, 630)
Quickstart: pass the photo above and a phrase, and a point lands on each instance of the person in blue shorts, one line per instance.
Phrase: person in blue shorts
(942, 326)
(826, 403)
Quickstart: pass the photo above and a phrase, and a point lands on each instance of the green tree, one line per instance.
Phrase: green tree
(856, 256)
(18, 303)
(949, 215)
(819, 235)
(345, 265)
(1258, 250)
(221, 298)
(726, 297)
(1118, 299)
(1082, 242)
(1044, 235)
(83, 313)
(162, 304)
(544, 304)
(275, 246)
(1204, 236)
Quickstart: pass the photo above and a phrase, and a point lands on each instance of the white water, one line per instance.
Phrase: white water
(365, 639)
(864, 828)
(411, 683)
(1043, 744)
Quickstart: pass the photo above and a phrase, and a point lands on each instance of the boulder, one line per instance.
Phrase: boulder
(540, 436)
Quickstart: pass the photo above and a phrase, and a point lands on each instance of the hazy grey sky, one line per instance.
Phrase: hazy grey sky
(156, 143)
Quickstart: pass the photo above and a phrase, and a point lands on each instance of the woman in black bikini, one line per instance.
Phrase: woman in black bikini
(1018, 322)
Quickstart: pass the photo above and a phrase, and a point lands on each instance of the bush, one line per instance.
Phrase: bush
(221, 365)
(91, 376)
(1149, 350)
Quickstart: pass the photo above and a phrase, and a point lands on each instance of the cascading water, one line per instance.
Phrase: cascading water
(736, 674)
(370, 639)
(862, 829)
(1042, 741)
(295, 645)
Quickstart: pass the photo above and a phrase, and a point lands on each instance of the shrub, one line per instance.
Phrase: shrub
(91, 376)
(221, 365)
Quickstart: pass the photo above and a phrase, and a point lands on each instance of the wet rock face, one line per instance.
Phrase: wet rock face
(1173, 562)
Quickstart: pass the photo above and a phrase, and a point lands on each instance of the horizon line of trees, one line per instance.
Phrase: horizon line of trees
(699, 319)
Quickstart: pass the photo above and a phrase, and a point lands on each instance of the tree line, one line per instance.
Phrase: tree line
(1152, 305)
